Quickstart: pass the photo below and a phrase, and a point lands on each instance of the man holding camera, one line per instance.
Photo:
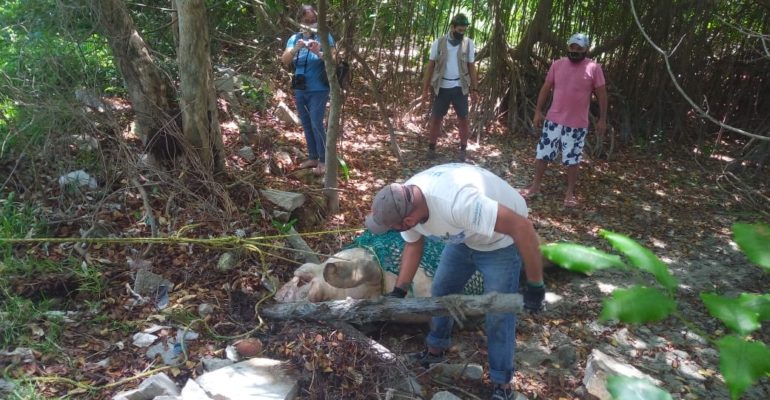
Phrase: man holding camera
(452, 76)
(311, 88)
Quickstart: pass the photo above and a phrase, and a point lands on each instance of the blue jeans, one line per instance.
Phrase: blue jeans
(311, 107)
(500, 270)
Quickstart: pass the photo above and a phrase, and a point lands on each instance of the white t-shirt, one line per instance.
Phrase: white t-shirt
(452, 71)
(462, 201)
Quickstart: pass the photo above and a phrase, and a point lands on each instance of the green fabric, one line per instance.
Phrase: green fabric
(389, 246)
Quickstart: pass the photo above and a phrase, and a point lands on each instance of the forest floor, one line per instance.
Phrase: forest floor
(678, 202)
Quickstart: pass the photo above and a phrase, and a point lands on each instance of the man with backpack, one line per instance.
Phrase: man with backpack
(452, 76)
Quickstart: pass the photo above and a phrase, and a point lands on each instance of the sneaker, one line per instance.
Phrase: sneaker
(501, 393)
(425, 358)
(308, 164)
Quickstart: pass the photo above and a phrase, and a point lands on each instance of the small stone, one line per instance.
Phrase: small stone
(205, 309)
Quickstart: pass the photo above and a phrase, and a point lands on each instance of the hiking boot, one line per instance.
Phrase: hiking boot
(431, 154)
(425, 358)
(461, 156)
(501, 393)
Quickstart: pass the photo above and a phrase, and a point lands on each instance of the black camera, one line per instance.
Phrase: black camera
(298, 82)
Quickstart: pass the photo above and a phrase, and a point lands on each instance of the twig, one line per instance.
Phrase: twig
(703, 113)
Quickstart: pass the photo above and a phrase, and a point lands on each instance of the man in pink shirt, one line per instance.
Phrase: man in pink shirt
(572, 80)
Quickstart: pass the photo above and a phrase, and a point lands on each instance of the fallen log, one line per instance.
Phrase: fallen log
(361, 311)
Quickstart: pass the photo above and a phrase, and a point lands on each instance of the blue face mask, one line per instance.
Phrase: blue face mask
(576, 56)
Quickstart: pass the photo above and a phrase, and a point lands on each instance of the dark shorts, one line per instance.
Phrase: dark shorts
(452, 96)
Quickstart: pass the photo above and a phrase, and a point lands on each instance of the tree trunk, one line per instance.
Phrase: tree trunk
(387, 309)
(198, 99)
(150, 91)
(333, 128)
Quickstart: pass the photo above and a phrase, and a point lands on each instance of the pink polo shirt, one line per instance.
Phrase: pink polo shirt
(572, 87)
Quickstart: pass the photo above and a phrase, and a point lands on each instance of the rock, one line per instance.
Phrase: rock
(247, 153)
(444, 395)
(286, 200)
(281, 216)
(23, 355)
(285, 114)
(409, 385)
(280, 163)
(600, 366)
(457, 371)
(152, 387)
(567, 355)
(256, 378)
(6, 386)
(205, 309)
(149, 284)
(213, 364)
(303, 250)
(227, 261)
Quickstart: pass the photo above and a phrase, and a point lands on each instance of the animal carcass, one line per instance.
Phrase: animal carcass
(352, 273)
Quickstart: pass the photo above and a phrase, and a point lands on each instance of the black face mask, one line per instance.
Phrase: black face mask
(576, 56)
(458, 35)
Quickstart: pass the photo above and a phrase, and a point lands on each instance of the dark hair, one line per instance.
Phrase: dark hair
(460, 20)
(306, 8)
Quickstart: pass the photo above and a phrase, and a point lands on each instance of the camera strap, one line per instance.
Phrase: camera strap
(296, 57)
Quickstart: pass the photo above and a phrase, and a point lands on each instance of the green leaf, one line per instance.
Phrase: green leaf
(636, 305)
(641, 257)
(627, 388)
(759, 303)
(733, 312)
(344, 169)
(754, 239)
(579, 258)
(742, 363)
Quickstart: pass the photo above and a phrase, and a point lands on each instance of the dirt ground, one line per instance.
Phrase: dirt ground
(676, 202)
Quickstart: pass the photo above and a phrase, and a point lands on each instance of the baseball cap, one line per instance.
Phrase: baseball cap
(460, 20)
(391, 204)
(579, 39)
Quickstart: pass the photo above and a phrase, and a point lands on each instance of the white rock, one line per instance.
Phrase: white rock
(285, 114)
(286, 200)
(152, 387)
(444, 395)
(600, 366)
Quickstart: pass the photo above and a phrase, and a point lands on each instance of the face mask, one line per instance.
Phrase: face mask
(458, 35)
(575, 56)
(311, 28)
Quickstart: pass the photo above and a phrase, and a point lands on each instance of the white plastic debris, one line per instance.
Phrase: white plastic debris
(144, 339)
(79, 178)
